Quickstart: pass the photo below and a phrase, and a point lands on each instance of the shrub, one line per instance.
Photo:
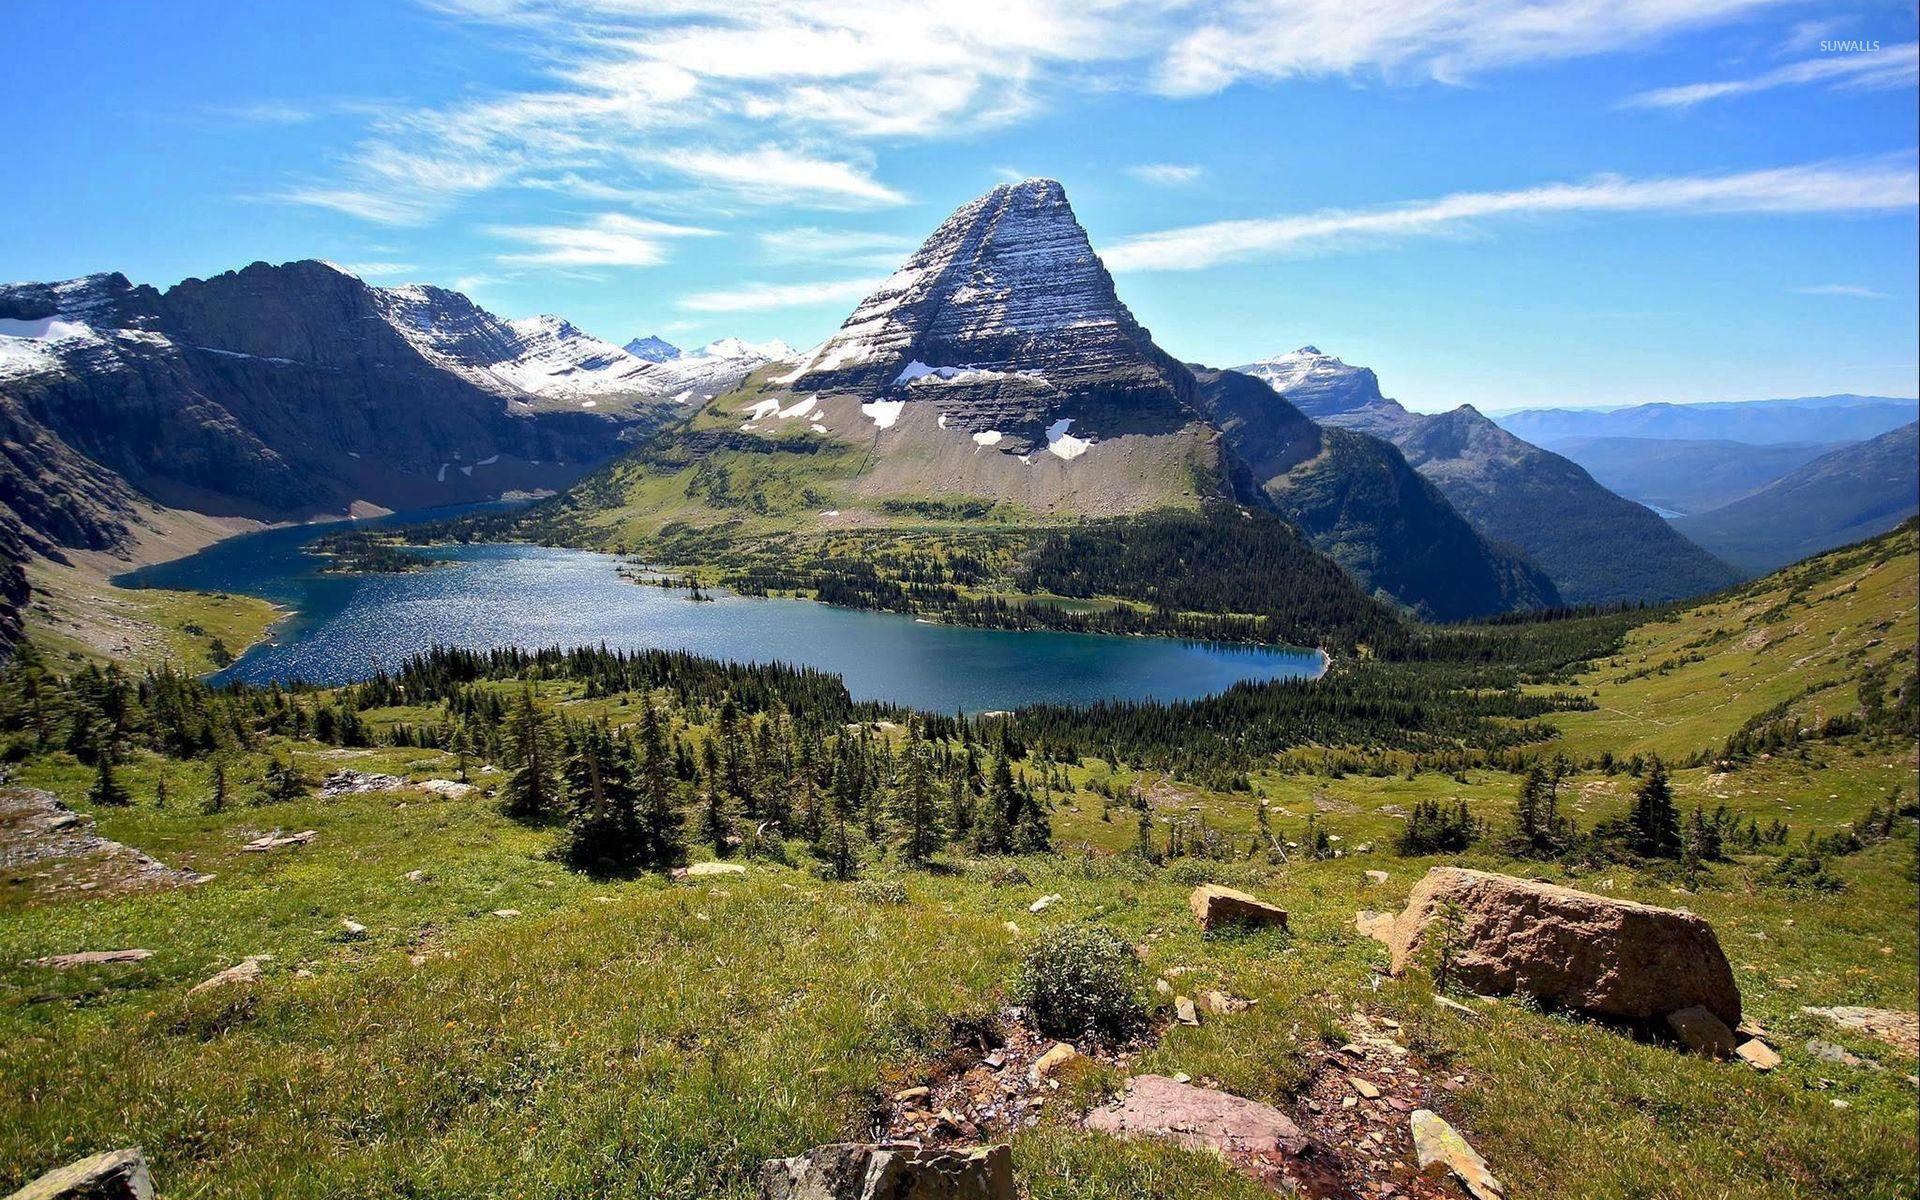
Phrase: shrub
(880, 891)
(1081, 979)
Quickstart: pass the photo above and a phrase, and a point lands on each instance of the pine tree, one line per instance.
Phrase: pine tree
(1655, 821)
(531, 793)
(843, 858)
(959, 805)
(916, 810)
(217, 799)
(660, 825)
(1143, 845)
(106, 791)
(283, 783)
(993, 831)
(603, 832)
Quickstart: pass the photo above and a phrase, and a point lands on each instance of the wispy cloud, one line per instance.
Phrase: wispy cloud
(776, 174)
(810, 243)
(1889, 67)
(608, 240)
(1854, 290)
(1166, 174)
(756, 297)
(267, 112)
(1419, 39)
(1883, 186)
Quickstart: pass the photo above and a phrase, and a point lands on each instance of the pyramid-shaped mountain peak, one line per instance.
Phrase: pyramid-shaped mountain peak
(1007, 290)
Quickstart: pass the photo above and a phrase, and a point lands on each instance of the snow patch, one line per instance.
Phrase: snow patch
(817, 427)
(801, 409)
(489, 461)
(43, 329)
(884, 412)
(763, 408)
(1063, 445)
(589, 404)
(990, 438)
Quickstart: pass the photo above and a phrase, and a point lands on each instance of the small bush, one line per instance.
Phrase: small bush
(880, 891)
(1081, 979)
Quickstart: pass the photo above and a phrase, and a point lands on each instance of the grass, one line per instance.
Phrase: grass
(78, 619)
(637, 1037)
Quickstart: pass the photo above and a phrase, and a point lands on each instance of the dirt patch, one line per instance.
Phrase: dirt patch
(48, 851)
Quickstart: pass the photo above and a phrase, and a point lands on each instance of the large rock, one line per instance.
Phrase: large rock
(1199, 1118)
(1569, 949)
(1440, 1150)
(1216, 907)
(860, 1171)
(115, 1175)
(1898, 1029)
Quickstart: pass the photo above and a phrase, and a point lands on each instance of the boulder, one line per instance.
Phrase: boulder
(1702, 1032)
(860, 1171)
(115, 1175)
(448, 789)
(1216, 907)
(247, 970)
(1441, 1150)
(1569, 949)
(1051, 1061)
(1198, 1118)
(273, 841)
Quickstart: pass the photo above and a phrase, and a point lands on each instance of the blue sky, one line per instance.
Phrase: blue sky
(1507, 203)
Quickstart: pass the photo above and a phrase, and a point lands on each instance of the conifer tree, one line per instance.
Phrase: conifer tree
(1655, 821)
(531, 792)
(106, 790)
(916, 809)
(663, 844)
(993, 830)
(283, 783)
(715, 826)
(603, 830)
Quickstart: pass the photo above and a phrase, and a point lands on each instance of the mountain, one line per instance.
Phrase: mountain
(1847, 494)
(1842, 418)
(283, 393)
(1360, 503)
(1675, 476)
(652, 348)
(1597, 547)
(699, 375)
(997, 379)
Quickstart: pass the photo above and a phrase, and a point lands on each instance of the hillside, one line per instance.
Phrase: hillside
(1850, 493)
(1828, 637)
(1596, 547)
(1677, 476)
(1761, 422)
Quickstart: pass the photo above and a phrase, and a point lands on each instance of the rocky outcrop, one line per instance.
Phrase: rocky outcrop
(1568, 949)
(114, 1175)
(860, 1171)
(1217, 907)
(1595, 546)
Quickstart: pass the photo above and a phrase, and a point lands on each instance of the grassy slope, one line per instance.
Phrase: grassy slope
(1799, 637)
(78, 617)
(663, 1040)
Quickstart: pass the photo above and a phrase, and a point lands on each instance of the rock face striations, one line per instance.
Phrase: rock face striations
(1595, 546)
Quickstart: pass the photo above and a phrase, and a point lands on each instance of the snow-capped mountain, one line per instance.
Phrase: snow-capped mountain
(714, 368)
(652, 348)
(1598, 548)
(1005, 320)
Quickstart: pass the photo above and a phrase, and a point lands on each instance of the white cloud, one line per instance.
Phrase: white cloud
(1890, 67)
(608, 240)
(1854, 290)
(1886, 186)
(810, 243)
(1418, 39)
(774, 174)
(1166, 174)
(755, 297)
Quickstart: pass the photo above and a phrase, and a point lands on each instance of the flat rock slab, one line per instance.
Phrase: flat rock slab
(274, 841)
(1569, 949)
(247, 970)
(89, 958)
(1702, 1032)
(115, 1175)
(861, 1171)
(1217, 907)
(1440, 1150)
(707, 870)
(50, 850)
(353, 783)
(448, 788)
(1198, 1118)
(1898, 1029)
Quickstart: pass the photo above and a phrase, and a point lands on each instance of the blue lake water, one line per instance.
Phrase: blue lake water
(343, 627)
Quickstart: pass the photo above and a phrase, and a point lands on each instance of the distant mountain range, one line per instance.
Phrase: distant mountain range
(1677, 476)
(1842, 496)
(1595, 546)
(1840, 418)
